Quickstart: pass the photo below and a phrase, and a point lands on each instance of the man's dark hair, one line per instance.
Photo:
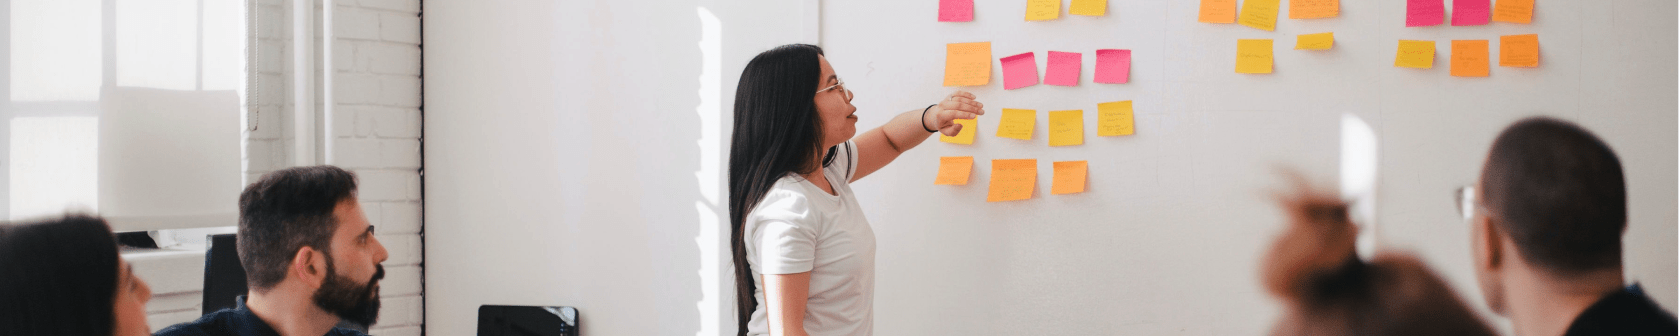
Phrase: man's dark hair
(58, 277)
(1557, 190)
(284, 211)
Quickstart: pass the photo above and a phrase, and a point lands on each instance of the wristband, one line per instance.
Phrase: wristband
(924, 119)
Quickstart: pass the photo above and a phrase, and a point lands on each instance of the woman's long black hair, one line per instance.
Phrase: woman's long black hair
(58, 277)
(777, 131)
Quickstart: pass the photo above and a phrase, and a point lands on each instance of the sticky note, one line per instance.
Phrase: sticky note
(967, 64)
(1114, 118)
(1260, 14)
(1066, 128)
(1020, 71)
(1113, 66)
(1420, 13)
(1518, 50)
(1012, 180)
(954, 170)
(1218, 11)
(1471, 12)
(1319, 41)
(1039, 10)
(956, 10)
(964, 136)
(1253, 56)
(1017, 123)
(1064, 68)
(1069, 177)
(1469, 58)
(1415, 54)
(1313, 9)
(1088, 7)
(1513, 11)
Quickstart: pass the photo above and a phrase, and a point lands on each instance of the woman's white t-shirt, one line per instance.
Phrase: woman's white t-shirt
(799, 228)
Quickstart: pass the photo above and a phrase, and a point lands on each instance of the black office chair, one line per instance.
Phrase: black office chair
(224, 277)
(494, 320)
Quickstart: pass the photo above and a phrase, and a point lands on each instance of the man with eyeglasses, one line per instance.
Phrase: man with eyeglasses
(1547, 218)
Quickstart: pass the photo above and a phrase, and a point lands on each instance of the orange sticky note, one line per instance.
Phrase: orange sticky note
(1319, 41)
(1513, 11)
(1039, 10)
(954, 170)
(967, 64)
(1313, 9)
(1218, 11)
(1260, 14)
(1017, 123)
(1069, 177)
(966, 135)
(1114, 118)
(1518, 50)
(1415, 54)
(1012, 179)
(1088, 7)
(1066, 128)
(1253, 56)
(1469, 58)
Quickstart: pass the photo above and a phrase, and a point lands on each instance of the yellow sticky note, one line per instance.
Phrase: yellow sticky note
(1415, 54)
(1218, 11)
(1012, 179)
(1260, 14)
(1518, 50)
(1319, 41)
(1017, 123)
(1114, 118)
(1069, 177)
(1313, 9)
(966, 135)
(1088, 7)
(954, 170)
(1039, 10)
(1253, 56)
(1066, 128)
(1513, 11)
(1469, 58)
(967, 64)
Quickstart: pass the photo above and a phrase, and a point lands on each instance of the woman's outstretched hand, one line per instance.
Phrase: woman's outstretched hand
(959, 105)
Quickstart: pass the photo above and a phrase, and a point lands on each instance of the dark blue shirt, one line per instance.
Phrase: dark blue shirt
(238, 321)
(1627, 312)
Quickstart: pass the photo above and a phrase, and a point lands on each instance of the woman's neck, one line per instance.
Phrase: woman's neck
(820, 179)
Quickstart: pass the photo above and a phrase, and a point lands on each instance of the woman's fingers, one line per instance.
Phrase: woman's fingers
(951, 130)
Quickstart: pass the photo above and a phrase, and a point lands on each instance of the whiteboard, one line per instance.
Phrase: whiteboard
(1168, 235)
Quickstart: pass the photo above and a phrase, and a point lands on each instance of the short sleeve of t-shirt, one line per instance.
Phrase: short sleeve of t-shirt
(785, 234)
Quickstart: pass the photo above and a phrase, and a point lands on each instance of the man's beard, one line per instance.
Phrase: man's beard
(349, 300)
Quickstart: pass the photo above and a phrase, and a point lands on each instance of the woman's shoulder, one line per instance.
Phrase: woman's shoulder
(785, 201)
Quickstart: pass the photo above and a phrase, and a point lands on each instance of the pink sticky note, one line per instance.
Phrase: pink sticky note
(1064, 68)
(956, 10)
(1113, 66)
(1425, 13)
(1020, 71)
(1471, 12)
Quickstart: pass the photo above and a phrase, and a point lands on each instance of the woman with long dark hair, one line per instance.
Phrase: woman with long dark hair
(63, 277)
(803, 253)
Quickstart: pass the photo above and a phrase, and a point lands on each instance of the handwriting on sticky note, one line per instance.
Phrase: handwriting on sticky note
(1513, 11)
(1518, 50)
(964, 136)
(1012, 179)
(1253, 56)
(1020, 71)
(1069, 177)
(1088, 7)
(1319, 41)
(1415, 54)
(967, 64)
(1114, 118)
(1017, 123)
(1038, 10)
(1470, 12)
(1420, 13)
(1313, 9)
(1469, 58)
(1113, 66)
(956, 10)
(1260, 14)
(1066, 128)
(954, 170)
(1218, 11)
(1064, 68)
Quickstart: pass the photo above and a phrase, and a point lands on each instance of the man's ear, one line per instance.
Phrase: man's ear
(1489, 244)
(309, 265)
